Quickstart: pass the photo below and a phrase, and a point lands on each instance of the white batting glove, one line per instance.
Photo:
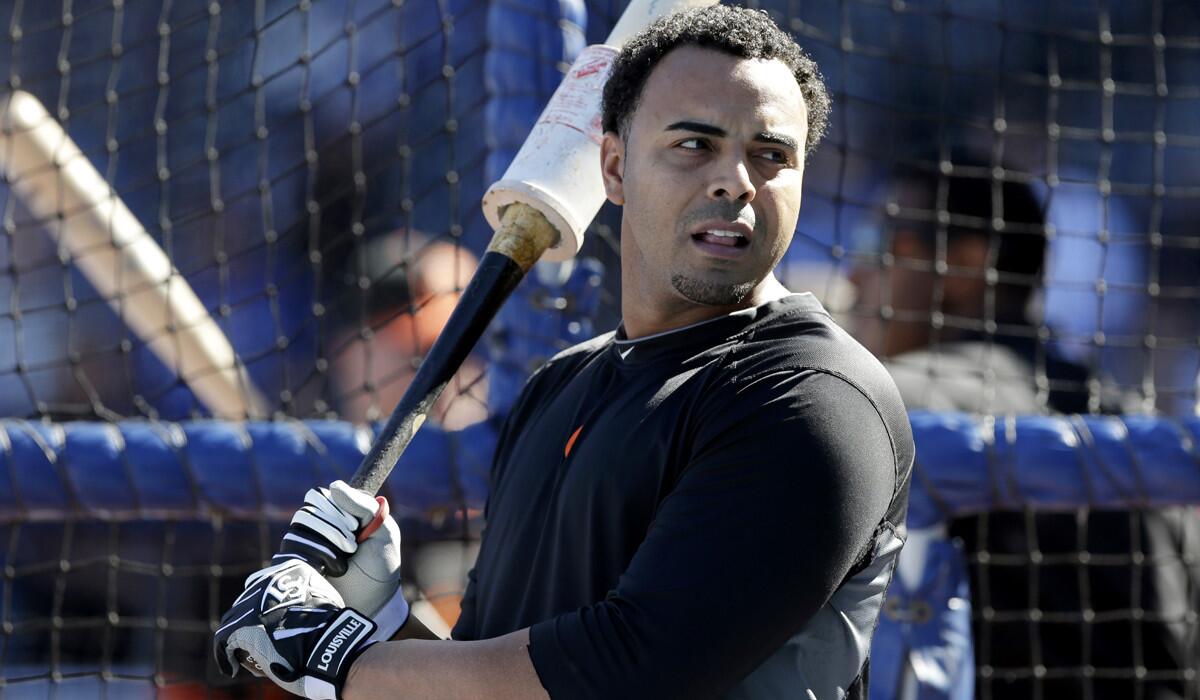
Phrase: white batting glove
(309, 651)
(291, 626)
(326, 528)
(267, 595)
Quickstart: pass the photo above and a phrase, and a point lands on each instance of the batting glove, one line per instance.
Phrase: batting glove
(366, 574)
(310, 651)
(289, 625)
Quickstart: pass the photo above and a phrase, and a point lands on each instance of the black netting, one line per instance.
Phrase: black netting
(1004, 210)
(312, 171)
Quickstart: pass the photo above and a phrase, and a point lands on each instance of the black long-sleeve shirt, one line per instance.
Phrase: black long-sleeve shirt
(713, 511)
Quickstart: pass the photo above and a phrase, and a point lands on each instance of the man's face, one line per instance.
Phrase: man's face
(709, 174)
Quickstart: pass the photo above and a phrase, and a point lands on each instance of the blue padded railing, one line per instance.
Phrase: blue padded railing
(965, 464)
(146, 470)
(970, 464)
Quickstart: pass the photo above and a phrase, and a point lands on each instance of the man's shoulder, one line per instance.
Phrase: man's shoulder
(580, 352)
(803, 338)
(567, 361)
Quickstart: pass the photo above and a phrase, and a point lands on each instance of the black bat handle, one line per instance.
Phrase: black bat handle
(523, 235)
(494, 280)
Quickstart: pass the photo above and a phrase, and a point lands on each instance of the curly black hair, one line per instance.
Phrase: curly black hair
(737, 31)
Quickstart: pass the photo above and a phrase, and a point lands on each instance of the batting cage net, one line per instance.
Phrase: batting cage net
(231, 231)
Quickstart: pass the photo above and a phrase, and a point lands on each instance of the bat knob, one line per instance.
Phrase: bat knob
(243, 657)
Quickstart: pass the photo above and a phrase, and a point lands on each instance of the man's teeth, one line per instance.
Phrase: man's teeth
(726, 234)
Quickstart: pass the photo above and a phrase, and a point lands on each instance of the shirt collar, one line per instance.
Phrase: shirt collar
(700, 335)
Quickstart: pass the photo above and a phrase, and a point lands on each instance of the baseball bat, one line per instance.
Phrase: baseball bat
(61, 188)
(542, 205)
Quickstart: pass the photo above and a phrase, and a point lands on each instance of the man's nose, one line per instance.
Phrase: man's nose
(732, 181)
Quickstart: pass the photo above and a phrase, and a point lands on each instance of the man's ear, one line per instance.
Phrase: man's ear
(612, 167)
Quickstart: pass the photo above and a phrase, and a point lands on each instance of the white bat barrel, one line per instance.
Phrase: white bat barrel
(106, 242)
(557, 170)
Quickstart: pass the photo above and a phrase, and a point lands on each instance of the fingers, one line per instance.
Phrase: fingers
(321, 533)
(231, 653)
(359, 504)
(326, 540)
(281, 603)
(227, 660)
(257, 576)
(372, 511)
(248, 663)
(251, 648)
(327, 518)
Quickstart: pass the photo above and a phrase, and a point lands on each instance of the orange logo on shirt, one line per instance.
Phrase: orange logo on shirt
(571, 442)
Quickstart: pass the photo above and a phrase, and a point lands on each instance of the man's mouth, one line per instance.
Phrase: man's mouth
(720, 237)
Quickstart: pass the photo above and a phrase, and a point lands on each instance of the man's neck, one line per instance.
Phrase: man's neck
(641, 319)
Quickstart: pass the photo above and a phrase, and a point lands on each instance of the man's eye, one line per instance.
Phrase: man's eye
(693, 144)
(776, 157)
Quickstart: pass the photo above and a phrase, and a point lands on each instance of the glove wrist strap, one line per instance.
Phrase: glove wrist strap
(328, 665)
(391, 617)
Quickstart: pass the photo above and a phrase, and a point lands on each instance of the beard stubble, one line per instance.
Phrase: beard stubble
(711, 293)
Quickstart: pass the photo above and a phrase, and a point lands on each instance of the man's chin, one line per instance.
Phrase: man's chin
(710, 293)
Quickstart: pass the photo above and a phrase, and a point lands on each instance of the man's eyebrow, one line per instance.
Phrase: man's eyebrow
(781, 139)
(698, 127)
(709, 129)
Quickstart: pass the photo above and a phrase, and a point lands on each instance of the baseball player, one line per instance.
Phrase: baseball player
(707, 502)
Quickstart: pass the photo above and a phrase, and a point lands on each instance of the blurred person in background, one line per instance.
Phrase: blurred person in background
(401, 290)
(946, 304)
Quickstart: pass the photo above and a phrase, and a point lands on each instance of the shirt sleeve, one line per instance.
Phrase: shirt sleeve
(464, 626)
(787, 484)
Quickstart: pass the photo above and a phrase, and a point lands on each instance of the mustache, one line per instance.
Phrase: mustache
(723, 210)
